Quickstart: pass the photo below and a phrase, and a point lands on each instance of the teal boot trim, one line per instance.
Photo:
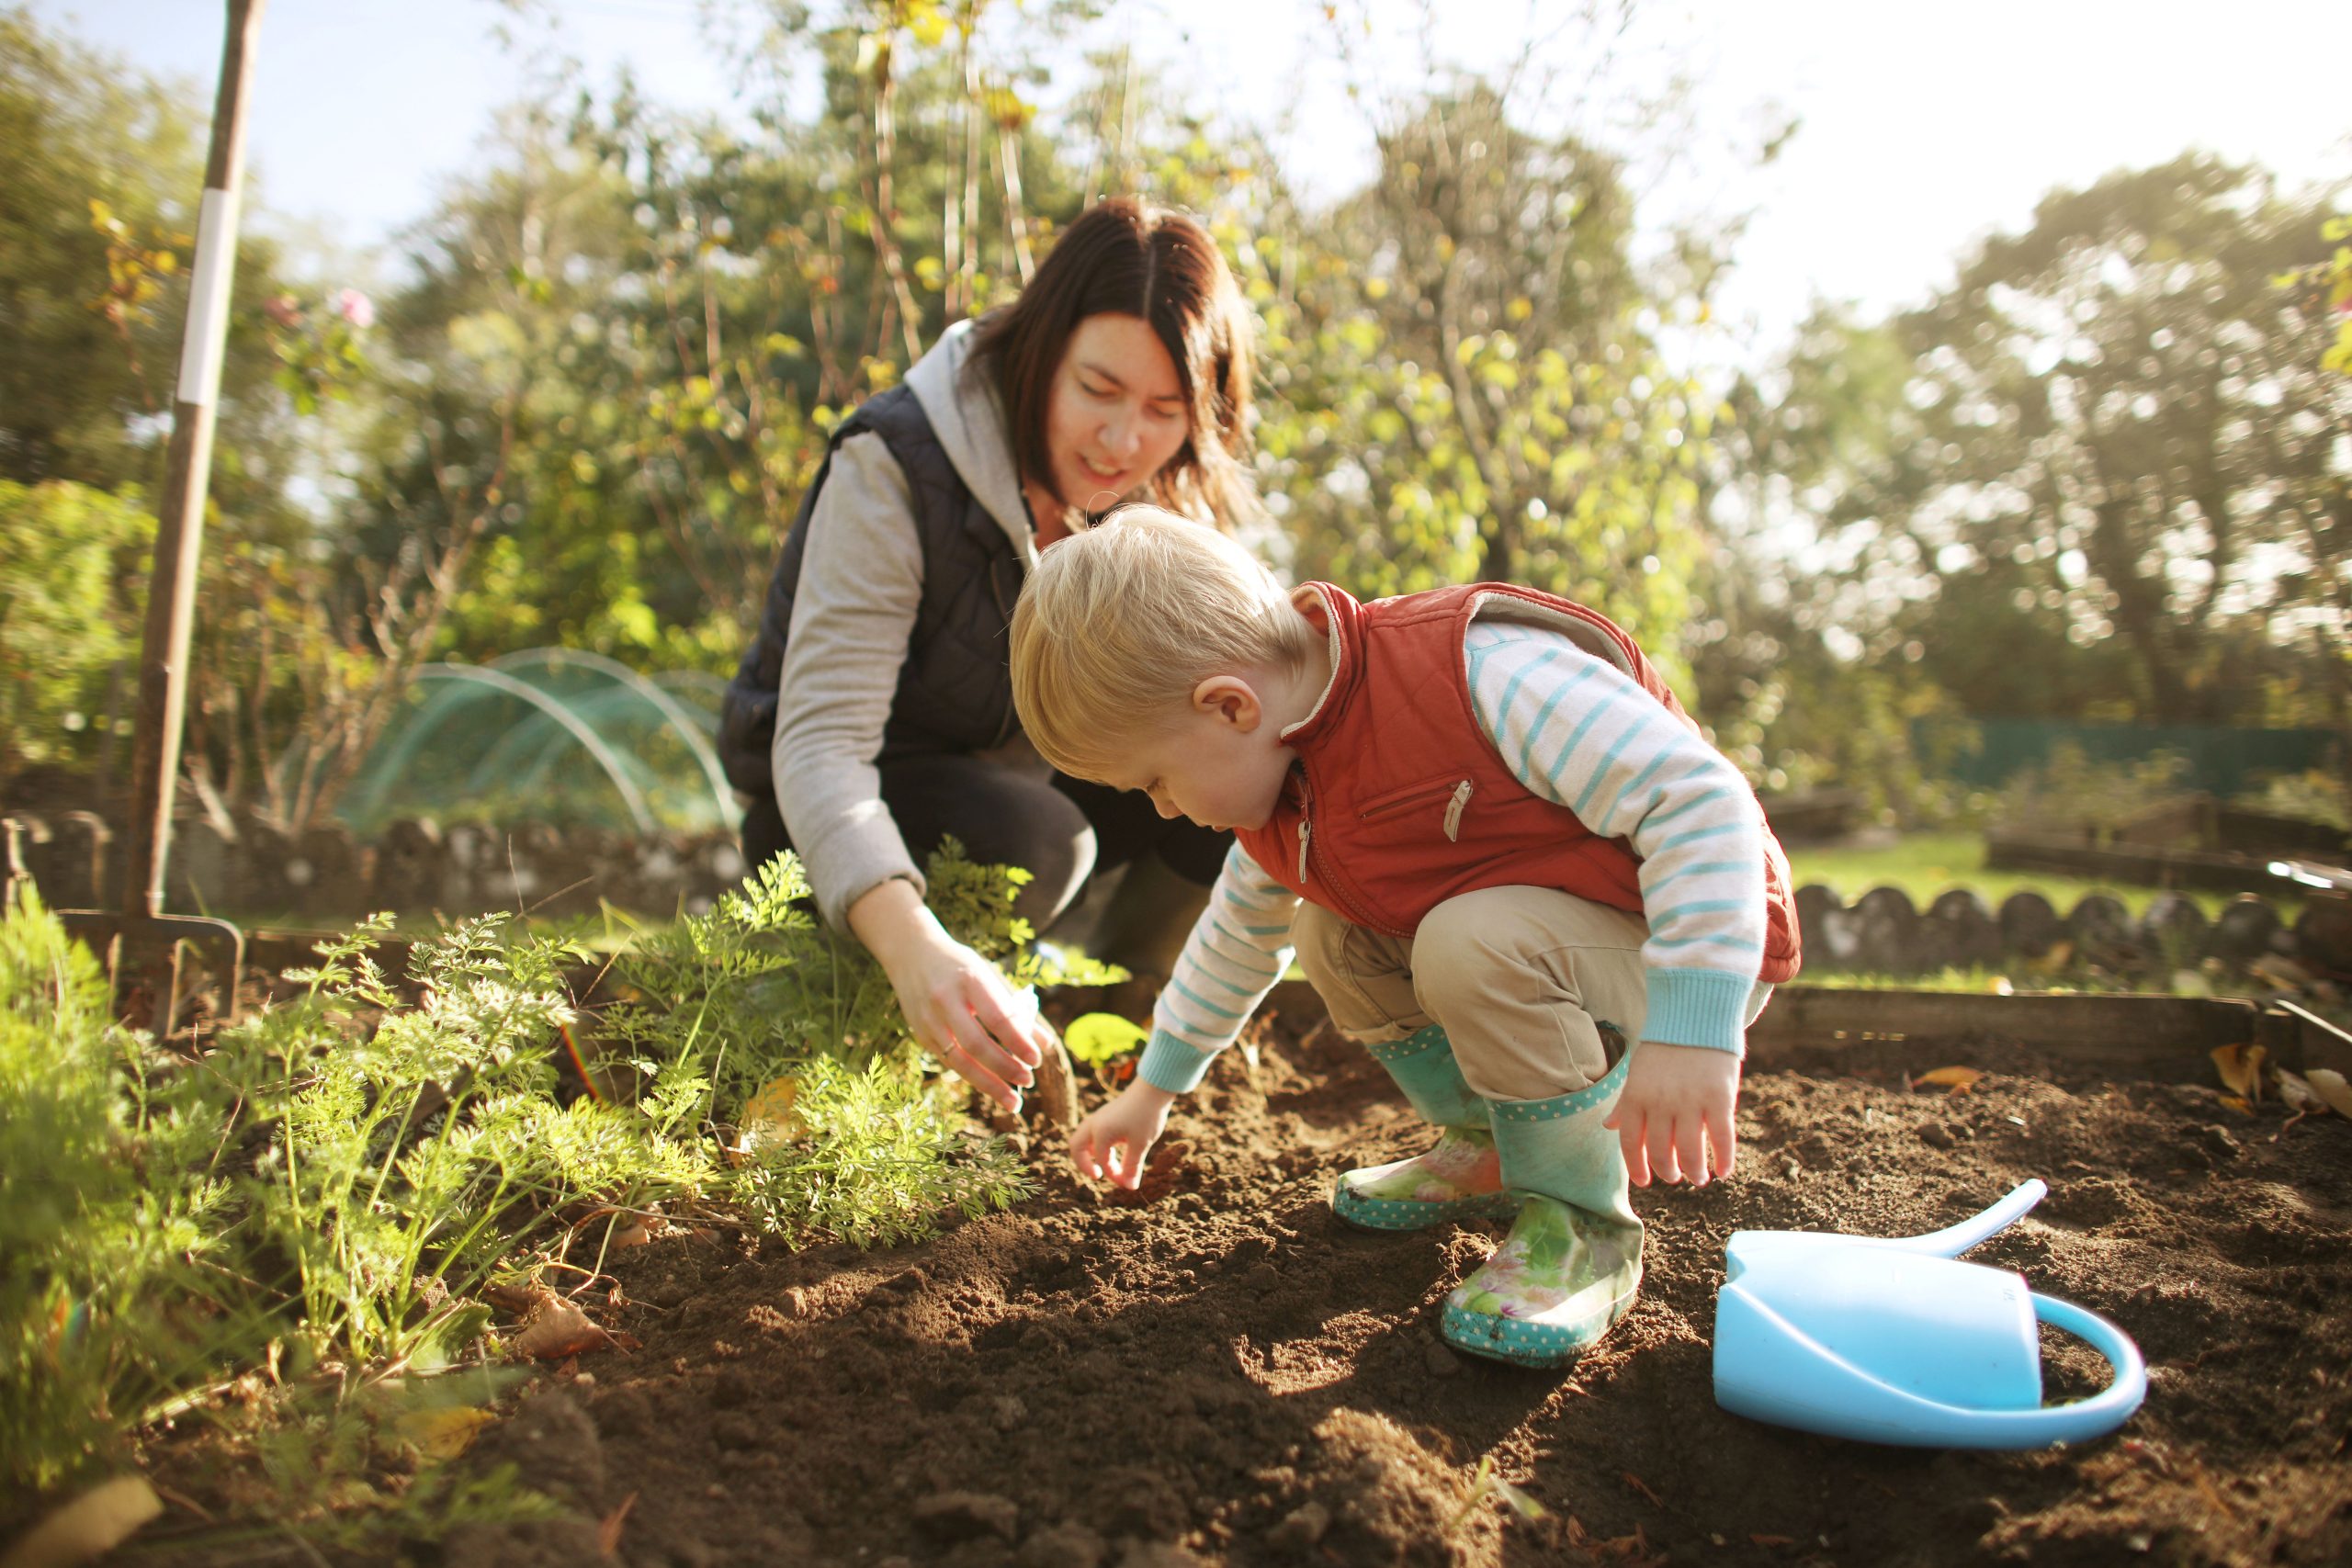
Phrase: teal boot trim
(1572, 1264)
(1424, 1066)
(1460, 1177)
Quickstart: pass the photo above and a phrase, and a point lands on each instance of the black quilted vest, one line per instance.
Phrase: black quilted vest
(956, 688)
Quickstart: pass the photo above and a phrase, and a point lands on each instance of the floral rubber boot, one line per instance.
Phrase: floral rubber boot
(1458, 1178)
(1572, 1263)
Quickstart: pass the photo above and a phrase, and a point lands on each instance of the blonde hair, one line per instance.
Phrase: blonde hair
(1118, 624)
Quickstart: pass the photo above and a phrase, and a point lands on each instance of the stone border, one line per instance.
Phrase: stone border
(1883, 932)
(327, 877)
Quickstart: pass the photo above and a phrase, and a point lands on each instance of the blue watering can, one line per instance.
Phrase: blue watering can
(1896, 1341)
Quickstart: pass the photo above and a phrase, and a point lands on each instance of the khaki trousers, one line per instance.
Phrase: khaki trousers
(1522, 979)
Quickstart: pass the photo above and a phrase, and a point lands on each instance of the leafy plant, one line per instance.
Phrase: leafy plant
(111, 1268)
(317, 1201)
(2313, 795)
(2070, 792)
(63, 624)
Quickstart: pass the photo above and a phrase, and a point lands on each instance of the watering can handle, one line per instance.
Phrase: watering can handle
(2084, 1419)
(1953, 1240)
(2075, 1423)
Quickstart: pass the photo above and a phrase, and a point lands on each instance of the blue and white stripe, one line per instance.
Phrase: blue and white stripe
(1574, 731)
(1238, 948)
(1578, 731)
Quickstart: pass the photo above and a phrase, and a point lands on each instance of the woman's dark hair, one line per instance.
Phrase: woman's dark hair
(1123, 256)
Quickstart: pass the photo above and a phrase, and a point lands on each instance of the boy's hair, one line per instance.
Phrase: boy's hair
(1118, 624)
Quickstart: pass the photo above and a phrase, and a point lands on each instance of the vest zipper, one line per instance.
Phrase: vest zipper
(1302, 848)
(1453, 811)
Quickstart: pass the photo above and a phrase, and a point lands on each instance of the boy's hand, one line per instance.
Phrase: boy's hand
(1114, 1141)
(1676, 1106)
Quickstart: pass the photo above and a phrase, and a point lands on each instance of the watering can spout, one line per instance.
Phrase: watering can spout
(1754, 1246)
(1953, 1240)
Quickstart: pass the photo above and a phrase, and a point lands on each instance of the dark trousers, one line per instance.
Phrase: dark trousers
(1063, 832)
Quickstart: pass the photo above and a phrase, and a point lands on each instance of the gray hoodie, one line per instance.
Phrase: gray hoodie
(861, 584)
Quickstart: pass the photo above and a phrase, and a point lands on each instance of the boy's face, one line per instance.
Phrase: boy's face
(1216, 760)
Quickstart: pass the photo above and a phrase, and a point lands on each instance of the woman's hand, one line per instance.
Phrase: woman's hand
(1114, 1141)
(960, 1006)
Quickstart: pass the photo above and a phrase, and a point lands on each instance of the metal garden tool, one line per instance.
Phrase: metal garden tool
(141, 936)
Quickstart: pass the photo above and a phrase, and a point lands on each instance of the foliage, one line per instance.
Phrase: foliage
(66, 615)
(110, 1299)
(2315, 796)
(2328, 288)
(329, 1188)
(2071, 794)
(1466, 380)
(100, 167)
(2096, 475)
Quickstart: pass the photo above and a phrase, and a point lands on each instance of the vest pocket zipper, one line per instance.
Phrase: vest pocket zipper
(1460, 798)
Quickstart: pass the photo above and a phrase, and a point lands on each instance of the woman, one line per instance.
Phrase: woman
(873, 714)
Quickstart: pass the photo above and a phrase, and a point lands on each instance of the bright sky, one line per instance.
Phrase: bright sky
(1922, 127)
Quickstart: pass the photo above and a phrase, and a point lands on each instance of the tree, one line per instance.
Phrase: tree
(65, 616)
(1464, 361)
(2103, 473)
(100, 168)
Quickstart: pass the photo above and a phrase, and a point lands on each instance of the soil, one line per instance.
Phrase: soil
(1217, 1371)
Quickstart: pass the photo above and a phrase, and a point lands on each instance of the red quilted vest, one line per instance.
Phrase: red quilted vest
(1398, 800)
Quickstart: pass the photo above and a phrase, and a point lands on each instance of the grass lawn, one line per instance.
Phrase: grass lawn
(1924, 864)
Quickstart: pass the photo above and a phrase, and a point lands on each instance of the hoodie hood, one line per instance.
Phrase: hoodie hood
(965, 414)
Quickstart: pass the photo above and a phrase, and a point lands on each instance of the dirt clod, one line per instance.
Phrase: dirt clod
(1062, 1546)
(950, 1516)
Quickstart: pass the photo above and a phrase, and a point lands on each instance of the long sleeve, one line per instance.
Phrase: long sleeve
(861, 585)
(1238, 948)
(1579, 733)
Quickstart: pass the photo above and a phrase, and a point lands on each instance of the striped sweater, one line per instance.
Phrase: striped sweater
(1575, 731)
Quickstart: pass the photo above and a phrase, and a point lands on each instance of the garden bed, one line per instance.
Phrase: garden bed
(1217, 1371)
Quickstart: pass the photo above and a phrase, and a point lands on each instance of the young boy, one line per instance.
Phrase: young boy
(1530, 887)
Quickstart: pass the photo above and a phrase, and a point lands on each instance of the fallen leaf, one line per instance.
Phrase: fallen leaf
(2295, 1093)
(2240, 1068)
(768, 1116)
(608, 1528)
(443, 1433)
(1956, 1080)
(2236, 1102)
(2329, 1084)
(1638, 1484)
(91, 1525)
(558, 1329)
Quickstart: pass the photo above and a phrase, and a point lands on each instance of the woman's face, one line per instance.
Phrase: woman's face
(1116, 412)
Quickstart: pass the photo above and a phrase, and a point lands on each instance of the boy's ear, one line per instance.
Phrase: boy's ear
(1230, 699)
